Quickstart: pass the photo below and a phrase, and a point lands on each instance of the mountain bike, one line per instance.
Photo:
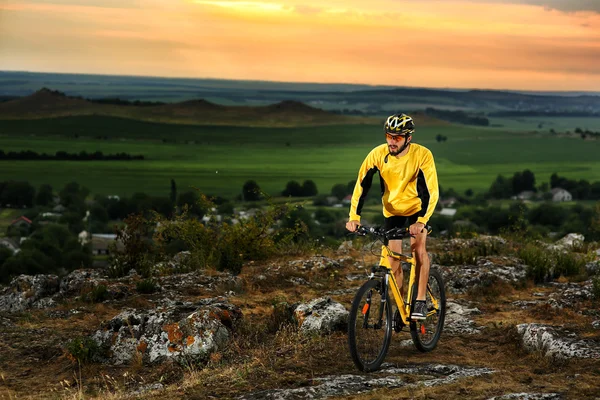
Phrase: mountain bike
(372, 315)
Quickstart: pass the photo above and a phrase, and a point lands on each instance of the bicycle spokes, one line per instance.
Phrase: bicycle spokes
(369, 327)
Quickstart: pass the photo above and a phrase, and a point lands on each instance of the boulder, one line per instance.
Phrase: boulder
(557, 343)
(181, 333)
(321, 315)
(571, 294)
(569, 241)
(81, 281)
(457, 319)
(459, 279)
(29, 291)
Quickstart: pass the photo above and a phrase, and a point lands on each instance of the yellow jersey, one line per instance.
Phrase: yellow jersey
(409, 184)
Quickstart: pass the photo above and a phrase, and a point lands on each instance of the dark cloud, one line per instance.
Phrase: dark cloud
(561, 5)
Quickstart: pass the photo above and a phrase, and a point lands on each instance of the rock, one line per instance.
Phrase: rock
(457, 319)
(321, 315)
(556, 343)
(316, 262)
(81, 281)
(593, 268)
(529, 396)
(345, 247)
(525, 303)
(147, 388)
(180, 333)
(570, 294)
(192, 281)
(459, 279)
(569, 241)
(27, 291)
(387, 378)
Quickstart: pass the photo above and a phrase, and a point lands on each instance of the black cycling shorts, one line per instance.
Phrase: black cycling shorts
(400, 222)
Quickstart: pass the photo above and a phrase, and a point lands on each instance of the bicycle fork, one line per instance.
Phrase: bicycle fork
(366, 310)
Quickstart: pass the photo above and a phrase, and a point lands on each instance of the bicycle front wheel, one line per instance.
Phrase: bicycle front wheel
(426, 334)
(369, 326)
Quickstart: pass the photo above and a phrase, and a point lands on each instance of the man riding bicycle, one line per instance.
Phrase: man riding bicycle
(409, 189)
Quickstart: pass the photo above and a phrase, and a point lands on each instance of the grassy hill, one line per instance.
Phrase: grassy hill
(219, 159)
(47, 103)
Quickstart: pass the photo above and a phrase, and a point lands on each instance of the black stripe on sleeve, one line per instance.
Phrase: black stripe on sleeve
(423, 192)
(366, 185)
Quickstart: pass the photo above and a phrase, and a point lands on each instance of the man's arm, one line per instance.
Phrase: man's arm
(427, 187)
(363, 184)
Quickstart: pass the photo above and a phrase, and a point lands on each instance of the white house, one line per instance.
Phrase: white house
(448, 212)
(559, 194)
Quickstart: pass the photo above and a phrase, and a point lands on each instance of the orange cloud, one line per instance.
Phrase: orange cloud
(417, 43)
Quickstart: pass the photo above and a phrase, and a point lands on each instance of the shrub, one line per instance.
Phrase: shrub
(544, 264)
(228, 246)
(470, 253)
(137, 253)
(83, 349)
(147, 286)
(97, 294)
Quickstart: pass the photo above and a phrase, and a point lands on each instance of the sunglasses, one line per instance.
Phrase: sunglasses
(394, 137)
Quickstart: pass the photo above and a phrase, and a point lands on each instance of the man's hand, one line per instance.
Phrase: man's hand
(416, 228)
(352, 226)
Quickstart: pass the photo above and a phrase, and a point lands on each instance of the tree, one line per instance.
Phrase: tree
(44, 196)
(293, 189)
(17, 194)
(72, 196)
(339, 191)
(251, 191)
(192, 199)
(173, 195)
(309, 188)
(501, 188)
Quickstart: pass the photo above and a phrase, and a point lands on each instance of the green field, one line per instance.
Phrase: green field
(544, 124)
(218, 160)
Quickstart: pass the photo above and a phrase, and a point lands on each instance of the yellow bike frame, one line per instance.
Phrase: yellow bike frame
(402, 304)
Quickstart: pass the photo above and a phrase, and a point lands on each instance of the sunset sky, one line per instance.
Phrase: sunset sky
(497, 44)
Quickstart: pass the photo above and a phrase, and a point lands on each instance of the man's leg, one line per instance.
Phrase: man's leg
(396, 246)
(422, 259)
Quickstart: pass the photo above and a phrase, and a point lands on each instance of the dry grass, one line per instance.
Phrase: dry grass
(268, 351)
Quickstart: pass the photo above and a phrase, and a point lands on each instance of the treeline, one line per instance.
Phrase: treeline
(507, 187)
(537, 220)
(64, 156)
(120, 102)
(457, 116)
(107, 100)
(537, 113)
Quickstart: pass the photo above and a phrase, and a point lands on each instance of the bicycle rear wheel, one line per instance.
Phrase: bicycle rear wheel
(426, 334)
(369, 326)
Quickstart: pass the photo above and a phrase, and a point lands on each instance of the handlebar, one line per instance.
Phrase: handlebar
(381, 233)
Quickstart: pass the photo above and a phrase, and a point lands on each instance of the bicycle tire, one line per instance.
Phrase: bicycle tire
(368, 343)
(426, 334)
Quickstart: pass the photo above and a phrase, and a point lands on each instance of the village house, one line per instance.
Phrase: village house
(21, 222)
(559, 194)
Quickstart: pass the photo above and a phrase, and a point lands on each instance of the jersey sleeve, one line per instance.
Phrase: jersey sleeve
(363, 184)
(427, 187)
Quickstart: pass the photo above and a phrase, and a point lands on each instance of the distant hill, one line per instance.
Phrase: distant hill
(47, 103)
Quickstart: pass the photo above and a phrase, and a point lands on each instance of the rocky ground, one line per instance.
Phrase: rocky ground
(277, 331)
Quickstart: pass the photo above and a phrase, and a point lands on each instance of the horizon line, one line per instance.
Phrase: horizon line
(308, 83)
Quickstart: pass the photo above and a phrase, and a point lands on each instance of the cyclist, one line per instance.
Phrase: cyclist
(409, 189)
